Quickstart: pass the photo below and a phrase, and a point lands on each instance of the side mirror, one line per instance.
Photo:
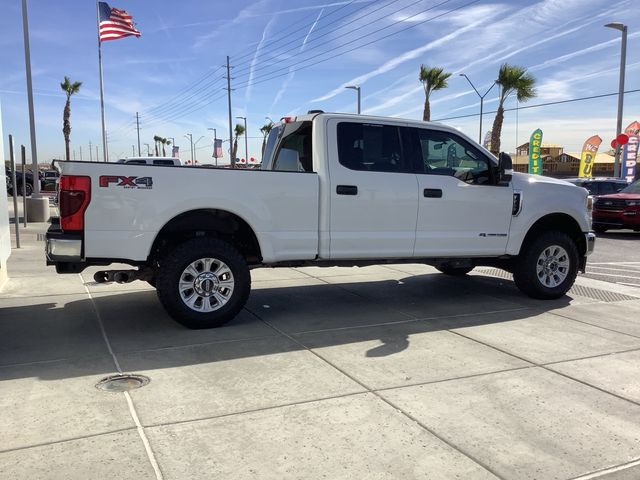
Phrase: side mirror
(288, 160)
(505, 168)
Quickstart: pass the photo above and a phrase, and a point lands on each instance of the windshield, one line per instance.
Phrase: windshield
(270, 145)
(633, 188)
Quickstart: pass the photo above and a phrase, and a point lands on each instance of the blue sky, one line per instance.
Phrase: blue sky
(563, 42)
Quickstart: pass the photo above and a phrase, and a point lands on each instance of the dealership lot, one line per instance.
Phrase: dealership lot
(392, 371)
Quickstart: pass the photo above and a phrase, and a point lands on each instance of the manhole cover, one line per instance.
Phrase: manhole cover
(122, 382)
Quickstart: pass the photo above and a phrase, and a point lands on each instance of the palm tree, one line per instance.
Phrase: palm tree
(511, 79)
(238, 131)
(156, 141)
(70, 89)
(265, 130)
(432, 78)
(165, 141)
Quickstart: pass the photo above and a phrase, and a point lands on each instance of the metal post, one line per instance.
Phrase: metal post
(233, 160)
(90, 152)
(623, 61)
(104, 133)
(133, 150)
(359, 100)
(215, 150)
(74, 154)
(80, 152)
(32, 121)
(138, 129)
(15, 194)
(23, 153)
(97, 153)
(246, 143)
(480, 133)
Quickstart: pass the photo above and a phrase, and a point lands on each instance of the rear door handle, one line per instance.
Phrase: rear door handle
(432, 193)
(347, 190)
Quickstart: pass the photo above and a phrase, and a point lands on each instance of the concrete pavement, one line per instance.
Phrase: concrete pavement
(394, 372)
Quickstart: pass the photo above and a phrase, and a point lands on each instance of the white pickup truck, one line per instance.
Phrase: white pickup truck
(334, 189)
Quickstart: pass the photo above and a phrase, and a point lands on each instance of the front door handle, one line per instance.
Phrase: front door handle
(347, 190)
(432, 193)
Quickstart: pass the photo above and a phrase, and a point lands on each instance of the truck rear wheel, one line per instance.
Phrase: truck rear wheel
(548, 266)
(203, 283)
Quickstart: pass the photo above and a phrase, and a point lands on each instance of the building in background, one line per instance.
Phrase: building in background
(560, 164)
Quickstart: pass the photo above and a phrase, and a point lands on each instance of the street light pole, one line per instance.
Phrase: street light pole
(215, 150)
(481, 102)
(623, 62)
(195, 159)
(190, 137)
(357, 89)
(246, 149)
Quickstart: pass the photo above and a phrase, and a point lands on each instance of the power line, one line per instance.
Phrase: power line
(353, 20)
(277, 39)
(334, 55)
(559, 102)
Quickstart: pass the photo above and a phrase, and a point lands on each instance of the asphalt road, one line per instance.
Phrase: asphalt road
(616, 258)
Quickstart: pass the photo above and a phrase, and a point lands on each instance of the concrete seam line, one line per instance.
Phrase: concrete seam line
(550, 370)
(607, 471)
(143, 436)
(384, 400)
(593, 325)
(589, 357)
(132, 410)
(65, 440)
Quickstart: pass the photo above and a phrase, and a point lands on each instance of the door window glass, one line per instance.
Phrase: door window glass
(442, 153)
(606, 188)
(374, 148)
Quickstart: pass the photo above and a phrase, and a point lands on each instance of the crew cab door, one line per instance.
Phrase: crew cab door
(373, 203)
(462, 210)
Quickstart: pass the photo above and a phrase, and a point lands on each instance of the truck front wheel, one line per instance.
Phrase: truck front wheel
(548, 266)
(203, 283)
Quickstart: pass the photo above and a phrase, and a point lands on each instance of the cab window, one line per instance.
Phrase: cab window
(296, 139)
(369, 147)
(444, 153)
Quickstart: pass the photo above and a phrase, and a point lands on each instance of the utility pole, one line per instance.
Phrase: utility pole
(228, 77)
(190, 137)
(80, 152)
(138, 129)
(90, 152)
(97, 157)
(133, 150)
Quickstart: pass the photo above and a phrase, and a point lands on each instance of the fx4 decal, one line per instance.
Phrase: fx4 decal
(126, 182)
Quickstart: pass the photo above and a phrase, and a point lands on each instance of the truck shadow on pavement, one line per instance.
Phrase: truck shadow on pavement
(69, 329)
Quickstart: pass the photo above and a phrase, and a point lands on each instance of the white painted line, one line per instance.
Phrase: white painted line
(629, 284)
(615, 269)
(608, 471)
(611, 275)
(614, 263)
(132, 408)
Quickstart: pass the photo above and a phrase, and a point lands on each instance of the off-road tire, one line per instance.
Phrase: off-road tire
(454, 271)
(525, 273)
(172, 268)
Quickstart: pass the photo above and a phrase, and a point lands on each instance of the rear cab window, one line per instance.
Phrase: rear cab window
(369, 147)
(289, 148)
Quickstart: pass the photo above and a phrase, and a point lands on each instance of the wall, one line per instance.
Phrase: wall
(5, 236)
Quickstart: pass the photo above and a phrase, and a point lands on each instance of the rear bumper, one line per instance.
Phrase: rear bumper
(62, 249)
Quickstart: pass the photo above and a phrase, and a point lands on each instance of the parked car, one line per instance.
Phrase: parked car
(49, 180)
(618, 210)
(151, 161)
(29, 181)
(599, 186)
(335, 189)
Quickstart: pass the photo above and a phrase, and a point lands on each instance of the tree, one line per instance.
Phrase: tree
(156, 140)
(432, 78)
(511, 79)
(70, 89)
(238, 132)
(265, 130)
(165, 141)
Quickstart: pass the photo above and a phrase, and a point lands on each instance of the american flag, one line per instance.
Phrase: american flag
(115, 23)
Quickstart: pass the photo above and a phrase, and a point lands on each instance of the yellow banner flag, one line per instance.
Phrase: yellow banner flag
(587, 158)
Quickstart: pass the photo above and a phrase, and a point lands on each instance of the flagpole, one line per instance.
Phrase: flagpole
(104, 134)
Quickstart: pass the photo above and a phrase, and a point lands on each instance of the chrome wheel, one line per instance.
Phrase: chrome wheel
(206, 285)
(553, 266)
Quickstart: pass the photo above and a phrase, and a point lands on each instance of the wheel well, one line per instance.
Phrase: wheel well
(207, 223)
(557, 222)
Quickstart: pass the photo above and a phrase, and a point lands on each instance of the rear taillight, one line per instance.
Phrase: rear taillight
(74, 197)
